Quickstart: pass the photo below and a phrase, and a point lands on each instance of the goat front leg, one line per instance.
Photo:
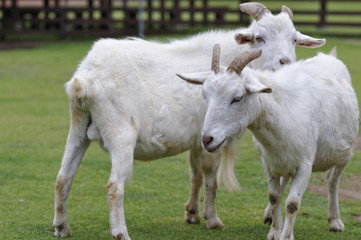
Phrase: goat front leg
(192, 213)
(333, 176)
(210, 164)
(76, 145)
(293, 201)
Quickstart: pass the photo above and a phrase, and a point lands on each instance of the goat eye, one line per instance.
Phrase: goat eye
(236, 100)
(259, 39)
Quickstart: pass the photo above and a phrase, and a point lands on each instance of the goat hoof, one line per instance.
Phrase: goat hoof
(268, 220)
(267, 216)
(214, 223)
(62, 230)
(121, 236)
(336, 226)
(273, 235)
(192, 217)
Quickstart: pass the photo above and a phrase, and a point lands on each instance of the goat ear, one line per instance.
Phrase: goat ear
(309, 42)
(255, 86)
(243, 38)
(194, 78)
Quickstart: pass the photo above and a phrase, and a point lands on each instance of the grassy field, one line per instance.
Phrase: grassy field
(34, 122)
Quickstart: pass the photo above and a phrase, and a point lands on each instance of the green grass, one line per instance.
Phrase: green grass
(34, 121)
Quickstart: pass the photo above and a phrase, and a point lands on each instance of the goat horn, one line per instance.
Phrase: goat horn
(287, 10)
(257, 10)
(243, 59)
(215, 58)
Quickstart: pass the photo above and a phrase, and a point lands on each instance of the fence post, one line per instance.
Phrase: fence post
(57, 14)
(192, 12)
(174, 14)
(4, 20)
(162, 14)
(150, 15)
(47, 23)
(90, 10)
(14, 16)
(244, 18)
(106, 23)
(323, 12)
(205, 12)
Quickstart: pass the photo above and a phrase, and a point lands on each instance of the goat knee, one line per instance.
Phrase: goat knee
(274, 198)
(292, 206)
(114, 193)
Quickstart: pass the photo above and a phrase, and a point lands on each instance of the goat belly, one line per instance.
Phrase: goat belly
(158, 146)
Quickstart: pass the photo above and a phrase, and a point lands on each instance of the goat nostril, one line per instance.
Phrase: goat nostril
(207, 140)
(285, 60)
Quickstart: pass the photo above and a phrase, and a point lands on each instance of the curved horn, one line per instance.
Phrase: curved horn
(215, 58)
(287, 10)
(257, 10)
(243, 59)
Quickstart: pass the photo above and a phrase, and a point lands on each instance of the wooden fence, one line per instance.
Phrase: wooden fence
(131, 17)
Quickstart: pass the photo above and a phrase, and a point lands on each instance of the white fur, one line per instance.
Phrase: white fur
(125, 94)
(308, 122)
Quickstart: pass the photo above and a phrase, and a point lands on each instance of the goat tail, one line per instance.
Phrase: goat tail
(333, 52)
(80, 89)
(225, 175)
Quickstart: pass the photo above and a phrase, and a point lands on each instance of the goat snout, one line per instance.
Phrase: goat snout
(212, 144)
(285, 60)
(207, 140)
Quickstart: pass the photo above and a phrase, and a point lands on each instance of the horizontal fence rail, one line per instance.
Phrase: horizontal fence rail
(133, 17)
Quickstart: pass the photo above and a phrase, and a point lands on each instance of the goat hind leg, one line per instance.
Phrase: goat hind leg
(333, 176)
(268, 211)
(76, 145)
(293, 201)
(120, 145)
(115, 195)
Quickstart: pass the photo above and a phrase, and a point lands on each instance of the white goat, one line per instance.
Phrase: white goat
(304, 118)
(126, 96)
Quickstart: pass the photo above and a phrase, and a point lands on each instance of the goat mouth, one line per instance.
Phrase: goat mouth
(216, 148)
